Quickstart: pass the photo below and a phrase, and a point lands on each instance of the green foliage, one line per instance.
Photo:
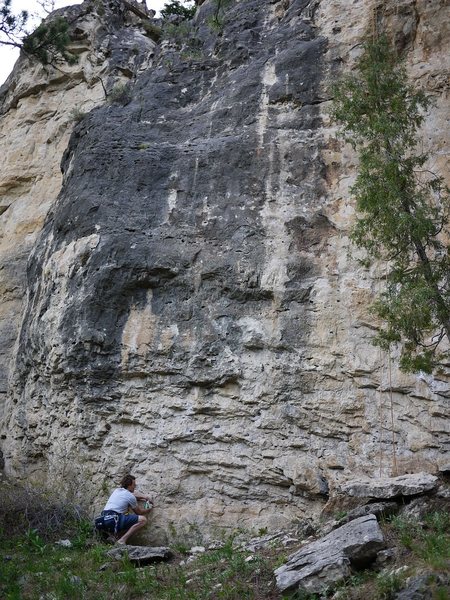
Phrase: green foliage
(217, 21)
(429, 541)
(62, 573)
(34, 541)
(120, 94)
(388, 584)
(77, 115)
(48, 42)
(36, 514)
(340, 514)
(185, 9)
(182, 36)
(403, 208)
(153, 31)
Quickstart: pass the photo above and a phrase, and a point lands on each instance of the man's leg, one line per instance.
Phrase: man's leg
(141, 522)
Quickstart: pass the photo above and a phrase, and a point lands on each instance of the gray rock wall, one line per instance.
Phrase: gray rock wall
(39, 106)
(193, 313)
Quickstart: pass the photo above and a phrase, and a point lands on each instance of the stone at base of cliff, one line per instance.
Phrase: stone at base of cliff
(326, 561)
(418, 587)
(351, 495)
(379, 509)
(140, 555)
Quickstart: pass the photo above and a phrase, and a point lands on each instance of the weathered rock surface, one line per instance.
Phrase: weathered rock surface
(393, 487)
(378, 509)
(140, 555)
(39, 106)
(326, 561)
(191, 311)
(418, 588)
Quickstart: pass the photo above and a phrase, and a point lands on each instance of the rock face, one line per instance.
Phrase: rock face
(192, 312)
(39, 107)
(406, 485)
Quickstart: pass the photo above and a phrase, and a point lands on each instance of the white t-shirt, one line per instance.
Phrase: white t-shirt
(120, 500)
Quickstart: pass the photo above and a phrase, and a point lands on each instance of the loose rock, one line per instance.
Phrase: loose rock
(326, 561)
(140, 555)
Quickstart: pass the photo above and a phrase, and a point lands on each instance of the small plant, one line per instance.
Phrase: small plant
(217, 22)
(183, 38)
(181, 548)
(120, 94)
(83, 533)
(152, 31)
(262, 531)
(407, 530)
(77, 115)
(302, 595)
(388, 584)
(34, 541)
(429, 541)
(340, 515)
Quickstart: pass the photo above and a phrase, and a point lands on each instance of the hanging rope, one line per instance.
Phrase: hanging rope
(394, 454)
(380, 404)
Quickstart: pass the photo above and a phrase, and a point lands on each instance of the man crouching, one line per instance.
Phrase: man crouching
(122, 500)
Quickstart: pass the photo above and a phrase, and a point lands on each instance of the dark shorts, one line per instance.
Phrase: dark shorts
(127, 521)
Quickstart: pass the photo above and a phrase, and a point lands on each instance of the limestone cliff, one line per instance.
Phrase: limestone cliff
(39, 107)
(192, 310)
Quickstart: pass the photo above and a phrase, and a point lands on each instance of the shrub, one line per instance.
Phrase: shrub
(120, 94)
(77, 115)
(152, 31)
(175, 7)
(36, 514)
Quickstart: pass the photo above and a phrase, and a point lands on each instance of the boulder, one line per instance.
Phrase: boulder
(379, 509)
(140, 555)
(326, 561)
(392, 487)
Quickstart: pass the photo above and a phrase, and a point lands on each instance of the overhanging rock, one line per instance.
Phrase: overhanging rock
(393, 487)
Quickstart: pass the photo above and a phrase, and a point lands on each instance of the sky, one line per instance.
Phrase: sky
(8, 55)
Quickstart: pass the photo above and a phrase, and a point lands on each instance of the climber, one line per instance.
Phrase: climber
(117, 510)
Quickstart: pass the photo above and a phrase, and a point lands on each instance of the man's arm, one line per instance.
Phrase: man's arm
(140, 496)
(142, 511)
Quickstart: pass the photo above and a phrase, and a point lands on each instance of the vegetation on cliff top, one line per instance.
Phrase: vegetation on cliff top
(402, 207)
(48, 42)
(183, 8)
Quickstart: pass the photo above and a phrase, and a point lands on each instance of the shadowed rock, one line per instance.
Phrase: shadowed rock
(140, 555)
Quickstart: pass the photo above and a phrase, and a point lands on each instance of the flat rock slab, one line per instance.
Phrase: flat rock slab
(392, 487)
(140, 555)
(326, 561)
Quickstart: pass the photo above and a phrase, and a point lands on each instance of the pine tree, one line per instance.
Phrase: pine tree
(48, 42)
(402, 208)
